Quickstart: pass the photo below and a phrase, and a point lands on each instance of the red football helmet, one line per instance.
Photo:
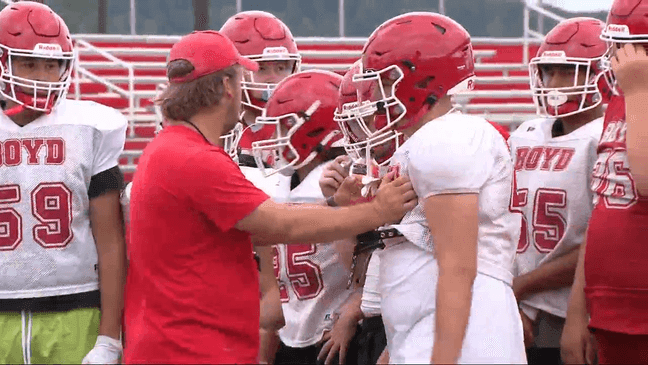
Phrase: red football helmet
(347, 105)
(574, 43)
(627, 22)
(348, 89)
(355, 140)
(408, 75)
(260, 36)
(30, 29)
(301, 109)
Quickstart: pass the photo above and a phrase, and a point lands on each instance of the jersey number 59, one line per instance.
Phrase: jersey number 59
(51, 205)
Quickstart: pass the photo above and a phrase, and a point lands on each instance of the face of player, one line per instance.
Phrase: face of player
(563, 76)
(36, 69)
(384, 90)
(271, 72)
(379, 151)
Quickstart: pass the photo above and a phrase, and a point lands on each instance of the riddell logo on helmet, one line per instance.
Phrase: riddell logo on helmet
(617, 29)
(274, 50)
(44, 48)
(554, 54)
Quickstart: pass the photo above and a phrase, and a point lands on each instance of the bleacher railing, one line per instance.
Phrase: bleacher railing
(112, 50)
(84, 47)
(531, 35)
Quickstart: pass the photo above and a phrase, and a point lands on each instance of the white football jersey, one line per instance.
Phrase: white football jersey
(459, 153)
(312, 278)
(277, 186)
(553, 194)
(46, 244)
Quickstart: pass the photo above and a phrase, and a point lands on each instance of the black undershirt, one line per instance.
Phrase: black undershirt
(557, 129)
(105, 181)
(294, 181)
(249, 161)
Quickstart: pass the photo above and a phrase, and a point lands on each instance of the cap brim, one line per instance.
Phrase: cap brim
(248, 64)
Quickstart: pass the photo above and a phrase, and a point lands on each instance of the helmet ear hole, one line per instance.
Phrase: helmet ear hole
(409, 65)
(314, 133)
(431, 100)
(423, 84)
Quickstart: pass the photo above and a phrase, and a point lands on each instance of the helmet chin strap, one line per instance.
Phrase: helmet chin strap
(565, 107)
(586, 100)
(13, 110)
(28, 100)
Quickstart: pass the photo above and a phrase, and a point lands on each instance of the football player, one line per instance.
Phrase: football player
(364, 302)
(609, 293)
(262, 37)
(62, 228)
(553, 158)
(312, 277)
(437, 271)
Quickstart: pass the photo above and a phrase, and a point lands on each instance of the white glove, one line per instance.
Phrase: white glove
(124, 199)
(107, 350)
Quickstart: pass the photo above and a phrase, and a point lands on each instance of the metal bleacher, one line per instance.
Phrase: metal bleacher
(125, 72)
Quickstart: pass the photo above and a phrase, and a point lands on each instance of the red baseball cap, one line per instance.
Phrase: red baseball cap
(208, 51)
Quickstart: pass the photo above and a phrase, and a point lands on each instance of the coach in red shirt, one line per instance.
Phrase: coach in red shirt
(192, 292)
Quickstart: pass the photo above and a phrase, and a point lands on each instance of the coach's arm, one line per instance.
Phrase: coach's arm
(284, 223)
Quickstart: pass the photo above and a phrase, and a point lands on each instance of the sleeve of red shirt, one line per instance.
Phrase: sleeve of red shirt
(217, 188)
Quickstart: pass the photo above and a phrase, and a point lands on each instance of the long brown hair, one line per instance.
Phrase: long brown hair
(181, 101)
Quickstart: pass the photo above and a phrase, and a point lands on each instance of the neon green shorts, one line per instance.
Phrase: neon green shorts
(49, 337)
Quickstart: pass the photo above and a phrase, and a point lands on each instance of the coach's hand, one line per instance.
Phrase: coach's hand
(107, 350)
(394, 198)
(334, 174)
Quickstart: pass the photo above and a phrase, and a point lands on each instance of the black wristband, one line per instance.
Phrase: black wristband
(330, 201)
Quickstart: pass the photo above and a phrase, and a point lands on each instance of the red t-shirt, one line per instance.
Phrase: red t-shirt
(616, 258)
(192, 292)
